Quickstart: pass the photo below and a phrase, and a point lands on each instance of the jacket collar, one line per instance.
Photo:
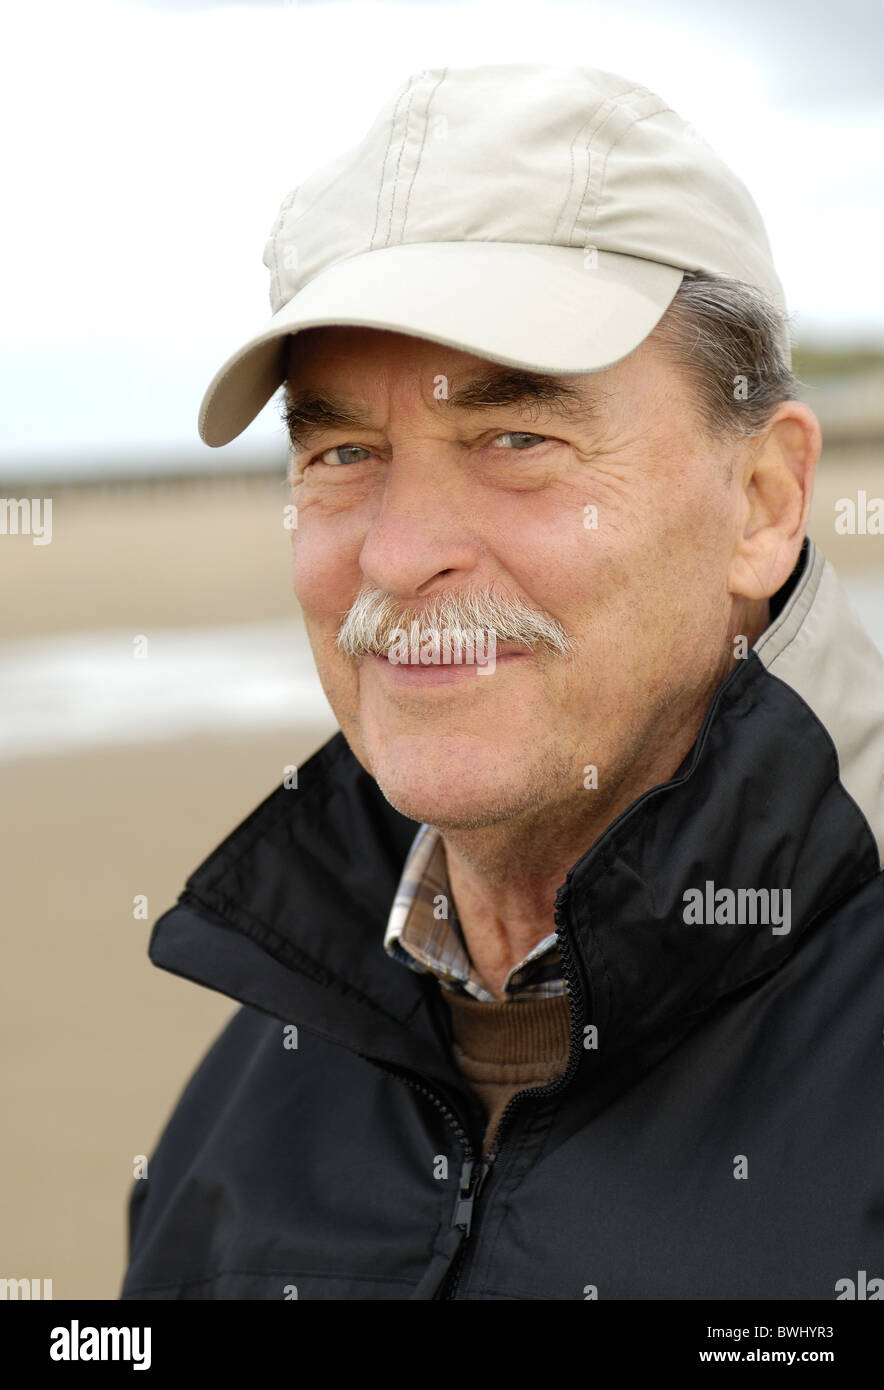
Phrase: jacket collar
(288, 913)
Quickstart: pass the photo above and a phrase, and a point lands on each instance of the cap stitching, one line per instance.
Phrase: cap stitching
(399, 163)
(345, 172)
(419, 155)
(592, 129)
(407, 91)
(661, 109)
(275, 281)
(604, 158)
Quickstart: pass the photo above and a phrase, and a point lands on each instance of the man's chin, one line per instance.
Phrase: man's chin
(447, 813)
(454, 799)
(452, 780)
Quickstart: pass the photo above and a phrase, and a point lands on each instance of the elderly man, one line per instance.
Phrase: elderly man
(561, 964)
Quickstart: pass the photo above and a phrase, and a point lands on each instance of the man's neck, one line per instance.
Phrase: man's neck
(504, 877)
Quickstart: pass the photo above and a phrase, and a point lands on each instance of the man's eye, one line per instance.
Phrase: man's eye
(341, 449)
(521, 440)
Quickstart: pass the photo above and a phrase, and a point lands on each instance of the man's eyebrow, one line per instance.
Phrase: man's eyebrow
(524, 389)
(311, 412)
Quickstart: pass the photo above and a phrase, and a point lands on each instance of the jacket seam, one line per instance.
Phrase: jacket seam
(281, 951)
(832, 749)
(266, 816)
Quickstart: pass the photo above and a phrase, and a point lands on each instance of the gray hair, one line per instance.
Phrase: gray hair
(375, 620)
(727, 338)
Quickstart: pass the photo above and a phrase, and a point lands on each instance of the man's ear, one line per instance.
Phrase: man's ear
(776, 478)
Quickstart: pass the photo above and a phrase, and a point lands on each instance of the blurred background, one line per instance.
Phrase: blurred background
(148, 146)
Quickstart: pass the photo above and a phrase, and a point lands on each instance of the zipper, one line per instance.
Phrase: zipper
(472, 1180)
(450, 1115)
(574, 988)
(473, 1173)
(466, 1205)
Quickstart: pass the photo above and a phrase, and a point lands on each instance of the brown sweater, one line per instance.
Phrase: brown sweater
(507, 1047)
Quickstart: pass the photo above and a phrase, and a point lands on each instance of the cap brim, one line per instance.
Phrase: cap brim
(544, 308)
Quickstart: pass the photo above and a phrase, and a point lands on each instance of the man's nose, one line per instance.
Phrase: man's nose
(423, 531)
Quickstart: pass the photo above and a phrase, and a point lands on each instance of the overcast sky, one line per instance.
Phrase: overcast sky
(148, 145)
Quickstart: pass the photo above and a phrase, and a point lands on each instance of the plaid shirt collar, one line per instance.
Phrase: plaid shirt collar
(423, 932)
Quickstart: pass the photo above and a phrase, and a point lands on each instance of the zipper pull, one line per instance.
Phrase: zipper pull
(469, 1191)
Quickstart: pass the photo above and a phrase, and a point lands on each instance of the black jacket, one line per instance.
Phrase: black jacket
(724, 1139)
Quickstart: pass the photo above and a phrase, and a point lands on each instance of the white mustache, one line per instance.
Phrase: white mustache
(375, 619)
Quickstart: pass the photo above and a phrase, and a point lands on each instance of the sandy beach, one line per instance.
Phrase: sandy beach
(98, 1043)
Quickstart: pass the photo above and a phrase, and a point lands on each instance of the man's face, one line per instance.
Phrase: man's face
(617, 522)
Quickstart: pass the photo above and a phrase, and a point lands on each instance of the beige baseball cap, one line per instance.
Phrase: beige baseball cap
(542, 217)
